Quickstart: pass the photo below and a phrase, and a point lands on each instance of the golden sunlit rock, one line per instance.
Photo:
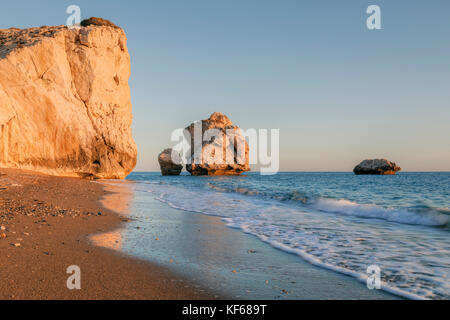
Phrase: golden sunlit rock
(65, 106)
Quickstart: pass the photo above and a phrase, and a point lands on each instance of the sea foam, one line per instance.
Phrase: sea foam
(410, 245)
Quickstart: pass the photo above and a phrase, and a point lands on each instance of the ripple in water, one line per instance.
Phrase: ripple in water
(334, 220)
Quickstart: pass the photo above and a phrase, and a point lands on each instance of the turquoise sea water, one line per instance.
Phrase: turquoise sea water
(337, 221)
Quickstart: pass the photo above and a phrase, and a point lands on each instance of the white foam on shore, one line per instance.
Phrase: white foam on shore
(317, 262)
(302, 254)
(262, 218)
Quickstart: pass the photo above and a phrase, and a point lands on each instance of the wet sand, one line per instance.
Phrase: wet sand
(46, 222)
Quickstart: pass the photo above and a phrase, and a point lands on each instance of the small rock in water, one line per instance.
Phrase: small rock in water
(377, 167)
(170, 162)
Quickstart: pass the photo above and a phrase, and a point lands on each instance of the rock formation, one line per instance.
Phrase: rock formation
(65, 106)
(170, 163)
(377, 166)
(222, 151)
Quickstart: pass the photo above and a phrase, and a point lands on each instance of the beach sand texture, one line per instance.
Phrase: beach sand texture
(46, 222)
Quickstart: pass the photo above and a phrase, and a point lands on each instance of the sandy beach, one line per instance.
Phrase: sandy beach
(45, 224)
(259, 151)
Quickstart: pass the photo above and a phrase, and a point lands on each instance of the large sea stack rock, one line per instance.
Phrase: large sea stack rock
(226, 153)
(65, 106)
(170, 163)
(377, 166)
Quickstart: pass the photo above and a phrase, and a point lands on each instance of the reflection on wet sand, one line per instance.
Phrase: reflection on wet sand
(118, 197)
(110, 240)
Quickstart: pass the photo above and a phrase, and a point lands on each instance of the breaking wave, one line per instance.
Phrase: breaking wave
(422, 216)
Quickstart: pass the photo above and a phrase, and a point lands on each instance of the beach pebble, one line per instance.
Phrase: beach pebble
(2, 228)
(16, 244)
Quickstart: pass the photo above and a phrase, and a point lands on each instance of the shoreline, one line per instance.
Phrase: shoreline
(224, 259)
(48, 221)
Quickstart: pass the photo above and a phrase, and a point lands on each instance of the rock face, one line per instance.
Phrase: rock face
(65, 106)
(223, 151)
(377, 166)
(170, 163)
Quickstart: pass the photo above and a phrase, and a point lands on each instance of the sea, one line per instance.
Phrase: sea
(341, 222)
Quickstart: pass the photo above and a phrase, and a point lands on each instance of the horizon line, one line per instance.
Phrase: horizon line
(318, 171)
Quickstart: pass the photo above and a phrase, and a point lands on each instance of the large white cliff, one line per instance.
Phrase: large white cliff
(65, 105)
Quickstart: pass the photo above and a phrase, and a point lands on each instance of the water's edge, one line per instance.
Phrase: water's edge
(320, 277)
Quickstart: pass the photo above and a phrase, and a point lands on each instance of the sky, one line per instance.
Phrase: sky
(338, 92)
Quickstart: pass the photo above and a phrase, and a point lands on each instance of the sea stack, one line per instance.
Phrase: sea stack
(65, 106)
(222, 151)
(170, 163)
(377, 167)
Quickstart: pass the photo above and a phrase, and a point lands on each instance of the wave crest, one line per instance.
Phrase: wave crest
(425, 216)
(430, 217)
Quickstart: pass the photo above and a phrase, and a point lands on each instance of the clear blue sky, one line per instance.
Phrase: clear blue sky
(338, 92)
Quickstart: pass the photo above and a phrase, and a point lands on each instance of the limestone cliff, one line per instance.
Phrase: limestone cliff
(65, 105)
